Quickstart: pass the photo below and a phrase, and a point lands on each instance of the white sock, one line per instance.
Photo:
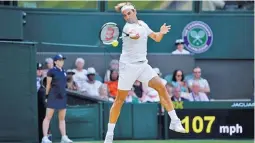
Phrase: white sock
(64, 136)
(45, 137)
(110, 127)
(173, 115)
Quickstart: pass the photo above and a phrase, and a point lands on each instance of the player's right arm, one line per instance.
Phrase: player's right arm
(131, 32)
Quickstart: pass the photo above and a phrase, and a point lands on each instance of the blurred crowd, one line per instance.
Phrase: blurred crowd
(181, 87)
(216, 5)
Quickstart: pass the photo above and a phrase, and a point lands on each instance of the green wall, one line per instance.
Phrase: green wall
(18, 104)
(233, 33)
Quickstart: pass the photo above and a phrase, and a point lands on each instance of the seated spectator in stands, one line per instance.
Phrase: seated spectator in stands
(177, 94)
(114, 65)
(103, 92)
(213, 5)
(169, 89)
(151, 95)
(70, 83)
(180, 48)
(204, 86)
(132, 97)
(80, 75)
(91, 85)
(113, 83)
(138, 89)
(178, 80)
(49, 65)
(39, 73)
(195, 94)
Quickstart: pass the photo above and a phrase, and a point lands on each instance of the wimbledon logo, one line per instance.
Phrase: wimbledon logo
(198, 37)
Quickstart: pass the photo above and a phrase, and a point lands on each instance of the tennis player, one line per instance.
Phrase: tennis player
(133, 65)
(56, 98)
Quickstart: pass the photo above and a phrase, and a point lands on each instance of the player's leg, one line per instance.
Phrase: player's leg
(46, 124)
(155, 82)
(116, 108)
(114, 114)
(117, 104)
(127, 77)
(165, 100)
(62, 126)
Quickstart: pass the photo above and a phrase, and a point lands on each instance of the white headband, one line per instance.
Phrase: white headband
(125, 7)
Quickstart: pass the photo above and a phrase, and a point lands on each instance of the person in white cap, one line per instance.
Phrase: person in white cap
(91, 85)
(180, 48)
(133, 65)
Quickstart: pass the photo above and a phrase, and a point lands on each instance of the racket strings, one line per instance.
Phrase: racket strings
(109, 33)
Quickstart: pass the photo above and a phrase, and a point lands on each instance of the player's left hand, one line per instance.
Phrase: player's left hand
(165, 28)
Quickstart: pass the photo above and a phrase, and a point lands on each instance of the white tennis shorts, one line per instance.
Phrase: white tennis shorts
(130, 72)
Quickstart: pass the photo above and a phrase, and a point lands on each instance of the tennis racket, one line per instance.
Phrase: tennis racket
(110, 32)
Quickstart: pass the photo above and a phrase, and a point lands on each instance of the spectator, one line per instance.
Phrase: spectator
(180, 48)
(113, 83)
(169, 88)
(204, 86)
(39, 73)
(49, 65)
(177, 94)
(80, 75)
(41, 105)
(150, 93)
(195, 95)
(91, 85)
(212, 5)
(132, 97)
(103, 92)
(138, 89)
(178, 80)
(114, 65)
(70, 83)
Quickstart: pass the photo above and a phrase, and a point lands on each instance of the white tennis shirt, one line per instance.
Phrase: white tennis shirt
(135, 50)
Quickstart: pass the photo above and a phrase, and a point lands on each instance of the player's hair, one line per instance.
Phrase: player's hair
(120, 5)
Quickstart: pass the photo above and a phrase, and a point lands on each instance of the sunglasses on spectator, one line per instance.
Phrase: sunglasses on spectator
(178, 75)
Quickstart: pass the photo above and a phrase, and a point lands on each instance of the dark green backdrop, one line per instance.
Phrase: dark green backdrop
(18, 96)
(233, 33)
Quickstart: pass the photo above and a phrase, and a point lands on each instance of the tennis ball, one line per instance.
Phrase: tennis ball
(115, 43)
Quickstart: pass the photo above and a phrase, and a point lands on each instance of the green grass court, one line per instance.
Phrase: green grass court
(178, 141)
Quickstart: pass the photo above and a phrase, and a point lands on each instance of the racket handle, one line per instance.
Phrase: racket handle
(127, 35)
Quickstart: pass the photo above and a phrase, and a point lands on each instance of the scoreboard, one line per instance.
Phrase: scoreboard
(215, 123)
